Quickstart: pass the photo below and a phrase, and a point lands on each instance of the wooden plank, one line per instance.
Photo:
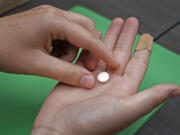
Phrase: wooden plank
(165, 122)
(171, 40)
(155, 16)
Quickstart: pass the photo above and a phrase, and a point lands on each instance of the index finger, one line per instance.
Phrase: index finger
(82, 38)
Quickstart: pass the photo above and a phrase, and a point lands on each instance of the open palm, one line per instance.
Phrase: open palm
(110, 107)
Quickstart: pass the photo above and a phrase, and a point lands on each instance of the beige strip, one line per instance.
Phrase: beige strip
(145, 42)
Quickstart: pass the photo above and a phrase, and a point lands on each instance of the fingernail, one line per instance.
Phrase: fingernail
(87, 81)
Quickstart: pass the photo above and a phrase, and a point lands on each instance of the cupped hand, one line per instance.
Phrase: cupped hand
(26, 39)
(110, 107)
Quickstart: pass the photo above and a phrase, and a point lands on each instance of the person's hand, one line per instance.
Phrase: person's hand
(110, 107)
(26, 39)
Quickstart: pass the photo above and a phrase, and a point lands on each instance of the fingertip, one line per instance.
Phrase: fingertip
(172, 90)
(176, 91)
(87, 81)
(118, 20)
(116, 25)
(115, 71)
(132, 21)
(92, 64)
(116, 63)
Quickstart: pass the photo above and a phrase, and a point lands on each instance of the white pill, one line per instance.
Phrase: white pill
(103, 77)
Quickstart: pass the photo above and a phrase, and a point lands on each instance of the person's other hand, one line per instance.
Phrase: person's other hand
(107, 108)
(26, 39)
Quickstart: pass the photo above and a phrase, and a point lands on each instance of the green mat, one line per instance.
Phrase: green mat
(22, 96)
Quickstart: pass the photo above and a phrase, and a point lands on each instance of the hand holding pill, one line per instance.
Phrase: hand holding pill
(27, 39)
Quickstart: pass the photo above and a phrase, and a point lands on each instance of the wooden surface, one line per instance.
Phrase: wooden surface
(155, 16)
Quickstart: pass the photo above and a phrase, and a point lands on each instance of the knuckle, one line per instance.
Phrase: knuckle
(48, 11)
(48, 14)
(90, 23)
(46, 7)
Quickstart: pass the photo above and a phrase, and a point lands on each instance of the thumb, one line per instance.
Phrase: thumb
(144, 102)
(51, 67)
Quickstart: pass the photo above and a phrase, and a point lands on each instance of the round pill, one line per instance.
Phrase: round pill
(103, 77)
